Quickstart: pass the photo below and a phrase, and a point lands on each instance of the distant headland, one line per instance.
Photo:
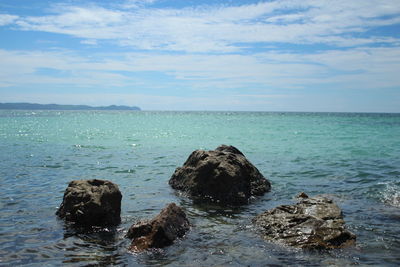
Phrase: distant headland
(32, 106)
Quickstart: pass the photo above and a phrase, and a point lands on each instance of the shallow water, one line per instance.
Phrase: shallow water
(354, 158)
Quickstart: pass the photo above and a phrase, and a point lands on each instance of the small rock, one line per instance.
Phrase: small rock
(161, 231)
(302, 195)
(91, 203)
(223, 176)
(312, 223)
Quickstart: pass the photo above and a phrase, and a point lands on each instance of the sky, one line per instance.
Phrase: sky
(244, 55)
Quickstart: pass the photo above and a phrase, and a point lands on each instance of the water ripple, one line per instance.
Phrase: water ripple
(353, 158)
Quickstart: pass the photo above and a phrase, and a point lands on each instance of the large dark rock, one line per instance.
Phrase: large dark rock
(223, 175)
(91, 203)
(312, 223)
(161, 231)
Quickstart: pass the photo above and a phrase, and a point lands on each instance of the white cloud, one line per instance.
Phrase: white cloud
(7, 19)
(257, 74)
(214, 28)
(89, 42)
(218, 28)
(89, 22)
(136, 3)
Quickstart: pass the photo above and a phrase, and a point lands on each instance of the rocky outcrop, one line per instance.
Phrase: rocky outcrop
(161, 231)
(223, 175)
(91, 203)
(311, 223)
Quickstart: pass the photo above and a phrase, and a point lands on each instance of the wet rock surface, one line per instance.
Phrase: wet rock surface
(223, 175)
(313, 223)
(161, 231)
(91, 203)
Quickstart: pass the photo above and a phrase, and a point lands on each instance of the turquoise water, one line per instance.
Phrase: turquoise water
(354, 158)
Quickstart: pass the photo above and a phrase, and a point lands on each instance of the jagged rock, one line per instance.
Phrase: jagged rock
(91, 203)
(223, 175)
(311, 223)
(161, 231)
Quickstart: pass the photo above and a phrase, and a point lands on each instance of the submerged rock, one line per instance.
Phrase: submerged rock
(91, 203)
(161, 231)
(223, 175)
(311, 223)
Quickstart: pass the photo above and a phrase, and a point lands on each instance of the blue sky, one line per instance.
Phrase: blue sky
(288, 55)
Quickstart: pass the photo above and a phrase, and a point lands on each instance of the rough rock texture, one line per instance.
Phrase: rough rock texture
(223, 175)
(91, 203)
(311, 223)
(161, 231)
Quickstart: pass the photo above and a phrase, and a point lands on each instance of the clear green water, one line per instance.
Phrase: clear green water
(355, 158)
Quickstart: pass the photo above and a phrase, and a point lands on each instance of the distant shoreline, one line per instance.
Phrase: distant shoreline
(33, 106)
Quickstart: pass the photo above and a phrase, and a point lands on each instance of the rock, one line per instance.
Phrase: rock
(161, 231)
(302, 195)
(223, 175)
(91, 203)
(312, 223)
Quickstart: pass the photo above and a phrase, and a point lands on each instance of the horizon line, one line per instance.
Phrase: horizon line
(187, 110)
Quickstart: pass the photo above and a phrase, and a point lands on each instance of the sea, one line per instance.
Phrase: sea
(354, 158)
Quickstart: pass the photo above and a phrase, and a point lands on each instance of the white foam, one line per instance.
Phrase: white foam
(391, 195)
